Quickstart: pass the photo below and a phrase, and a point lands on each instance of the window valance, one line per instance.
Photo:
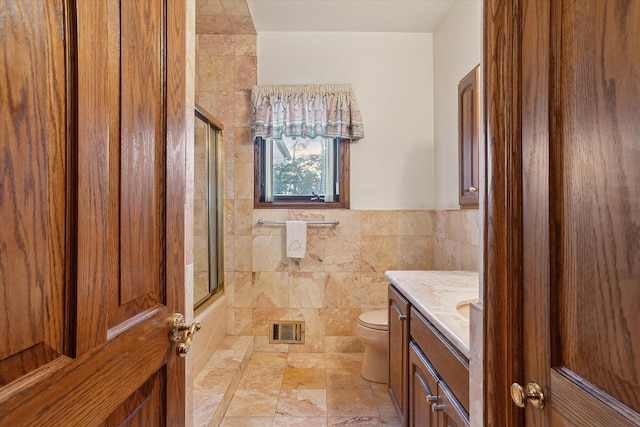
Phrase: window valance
(309, 111)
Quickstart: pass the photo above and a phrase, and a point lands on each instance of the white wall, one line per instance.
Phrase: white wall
(392, 73)
(457, 48)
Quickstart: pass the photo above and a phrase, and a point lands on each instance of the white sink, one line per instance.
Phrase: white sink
(463, 306)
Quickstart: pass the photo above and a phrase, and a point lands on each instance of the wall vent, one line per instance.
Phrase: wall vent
(286, 332)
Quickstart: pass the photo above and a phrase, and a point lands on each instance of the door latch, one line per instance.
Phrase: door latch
(177, 327)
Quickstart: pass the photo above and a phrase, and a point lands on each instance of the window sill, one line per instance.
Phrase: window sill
(298, 205)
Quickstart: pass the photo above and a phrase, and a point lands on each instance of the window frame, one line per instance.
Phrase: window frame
(297, 202)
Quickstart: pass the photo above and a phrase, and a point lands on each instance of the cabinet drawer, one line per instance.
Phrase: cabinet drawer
(451, 365)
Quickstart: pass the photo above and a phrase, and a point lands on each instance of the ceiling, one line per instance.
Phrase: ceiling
(402, 16)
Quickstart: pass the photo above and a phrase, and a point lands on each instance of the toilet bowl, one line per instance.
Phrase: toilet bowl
(372, 330)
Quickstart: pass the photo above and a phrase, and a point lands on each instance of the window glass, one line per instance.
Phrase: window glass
(300, 171)
(208, 277)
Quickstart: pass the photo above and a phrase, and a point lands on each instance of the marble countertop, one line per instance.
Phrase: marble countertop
(435, 295)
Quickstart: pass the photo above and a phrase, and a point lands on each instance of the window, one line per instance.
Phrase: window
(301, 172)
(302, 135)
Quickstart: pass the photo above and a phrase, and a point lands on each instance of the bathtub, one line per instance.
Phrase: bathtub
(214, 329)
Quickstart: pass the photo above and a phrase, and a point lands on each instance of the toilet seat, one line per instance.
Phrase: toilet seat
(377, 319)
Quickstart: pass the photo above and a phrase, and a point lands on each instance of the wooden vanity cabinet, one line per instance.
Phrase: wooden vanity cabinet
(398, 353)
(439, 377)
(428, 376)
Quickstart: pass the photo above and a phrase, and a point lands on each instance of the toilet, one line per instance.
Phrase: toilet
(373, 331)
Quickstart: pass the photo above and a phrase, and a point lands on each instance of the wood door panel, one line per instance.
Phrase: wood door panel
(572, 406)
(142, 142)
(25, 361)
(32, 188)
(91, 239)
(142, 408)
(597, 220)
(535, 212)
(136, 64)
(88, 390)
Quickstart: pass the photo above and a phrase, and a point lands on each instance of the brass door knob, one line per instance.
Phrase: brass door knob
(533, 393)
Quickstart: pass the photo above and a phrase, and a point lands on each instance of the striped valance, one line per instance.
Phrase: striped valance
(308, 111)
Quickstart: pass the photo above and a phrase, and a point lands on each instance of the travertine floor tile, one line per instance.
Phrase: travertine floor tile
(261, 378)
(346, 378)
(308, 390)
(306, 360)
(247, 422)
(307, 378)
(390, 421)
(270, 360)
(344, 360)
(288, 421)
(302, 403)
(351, 403)
(354, 421)
(260, 403)
(206, 406)
(383, 401)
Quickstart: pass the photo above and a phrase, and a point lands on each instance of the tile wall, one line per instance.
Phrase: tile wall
(342, 274)
(343, 271)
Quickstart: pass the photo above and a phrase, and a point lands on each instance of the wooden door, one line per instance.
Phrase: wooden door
(91, 207)
(563, 254)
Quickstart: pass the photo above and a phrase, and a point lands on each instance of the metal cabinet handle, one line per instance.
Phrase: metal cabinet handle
(472, 189)
(400, 315)
(435, 407)
(176, 328)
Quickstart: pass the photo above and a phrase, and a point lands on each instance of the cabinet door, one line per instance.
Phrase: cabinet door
(423, 389)
(398, 353)
(450, 411)
(468, 137)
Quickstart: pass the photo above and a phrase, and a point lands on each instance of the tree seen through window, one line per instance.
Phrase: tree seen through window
(299, 168)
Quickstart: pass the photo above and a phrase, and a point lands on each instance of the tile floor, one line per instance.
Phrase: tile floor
(308, 389)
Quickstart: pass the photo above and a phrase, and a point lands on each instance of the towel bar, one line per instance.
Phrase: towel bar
(330, 222)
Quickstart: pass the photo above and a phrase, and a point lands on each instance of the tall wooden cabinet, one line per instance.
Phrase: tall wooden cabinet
(468, 138)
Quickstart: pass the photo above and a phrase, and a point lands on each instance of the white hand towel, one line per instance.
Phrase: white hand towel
(296, 239)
